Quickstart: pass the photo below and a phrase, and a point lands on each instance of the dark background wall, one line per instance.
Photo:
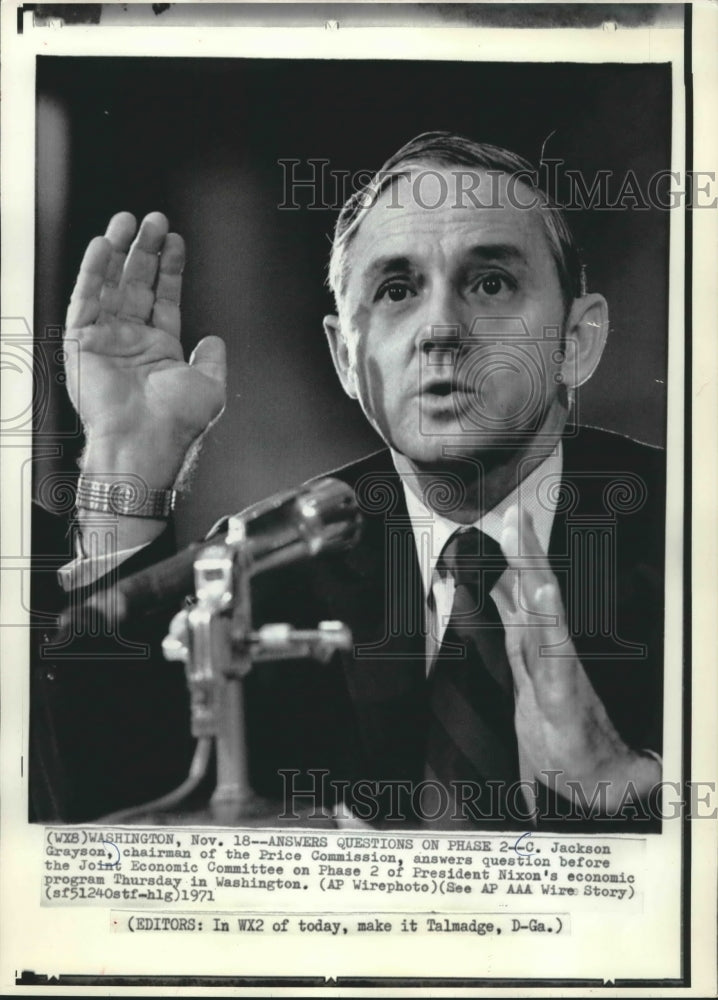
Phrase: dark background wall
(201, 139)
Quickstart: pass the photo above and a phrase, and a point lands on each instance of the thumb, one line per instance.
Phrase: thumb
(210, 356)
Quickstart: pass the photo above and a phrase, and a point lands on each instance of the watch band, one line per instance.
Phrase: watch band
(129, 497)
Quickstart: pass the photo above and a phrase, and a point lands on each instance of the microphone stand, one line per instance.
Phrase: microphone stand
(215, 640)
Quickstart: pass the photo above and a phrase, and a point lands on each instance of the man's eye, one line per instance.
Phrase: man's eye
(493, 284)
(395, 291)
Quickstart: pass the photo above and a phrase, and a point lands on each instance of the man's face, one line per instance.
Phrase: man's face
(453, 317)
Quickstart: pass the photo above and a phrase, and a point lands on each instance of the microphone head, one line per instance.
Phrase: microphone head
(319, 517)
(328, 516)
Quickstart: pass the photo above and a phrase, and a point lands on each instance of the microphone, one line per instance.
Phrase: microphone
(321, 516)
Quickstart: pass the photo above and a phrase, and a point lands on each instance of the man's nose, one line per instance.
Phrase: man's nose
(443, 325)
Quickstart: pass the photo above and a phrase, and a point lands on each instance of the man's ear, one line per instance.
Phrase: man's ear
(341, 355)
(585, 336)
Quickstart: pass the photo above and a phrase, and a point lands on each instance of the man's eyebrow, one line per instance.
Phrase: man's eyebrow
(484, 253)
(504, 252)
(387, 264)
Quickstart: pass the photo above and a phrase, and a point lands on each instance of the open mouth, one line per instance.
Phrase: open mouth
(443, 388)
(440, 389)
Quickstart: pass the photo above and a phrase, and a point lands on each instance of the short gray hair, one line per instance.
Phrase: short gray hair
(447, 149)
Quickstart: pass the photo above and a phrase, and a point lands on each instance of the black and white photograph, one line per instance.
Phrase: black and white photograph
(354, 509)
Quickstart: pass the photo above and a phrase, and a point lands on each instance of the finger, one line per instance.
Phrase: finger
(515, 641)
(85, 300)
(99, 266)
(548, 604)
(171, 266)
(140, 268)
(210, 357)
(548, 651)
(524, 555)
(521, 538)
(143, 258)
(166, 311)
(120, 232)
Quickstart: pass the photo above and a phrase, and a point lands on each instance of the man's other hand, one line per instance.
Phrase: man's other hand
(561, 723)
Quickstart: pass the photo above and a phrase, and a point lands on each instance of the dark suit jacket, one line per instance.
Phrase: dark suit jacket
(118, 730)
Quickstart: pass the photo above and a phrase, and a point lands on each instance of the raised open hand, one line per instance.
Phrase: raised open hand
(141, 404)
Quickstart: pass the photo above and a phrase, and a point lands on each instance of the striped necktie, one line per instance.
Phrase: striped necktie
(471, 747)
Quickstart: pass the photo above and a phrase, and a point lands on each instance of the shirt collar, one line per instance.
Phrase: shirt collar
(534, 494)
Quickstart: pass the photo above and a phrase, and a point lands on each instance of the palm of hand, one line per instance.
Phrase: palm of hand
(127, 376)
(144, 383)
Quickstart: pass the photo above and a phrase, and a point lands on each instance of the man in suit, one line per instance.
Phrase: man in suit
(506, 596)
